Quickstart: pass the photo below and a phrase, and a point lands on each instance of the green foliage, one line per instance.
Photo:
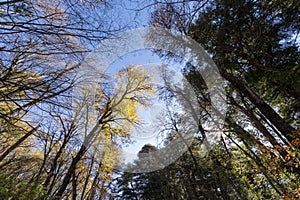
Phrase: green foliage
(255, 39)
(217, 176)
(11, 188)
(212, 177)
(254, 44)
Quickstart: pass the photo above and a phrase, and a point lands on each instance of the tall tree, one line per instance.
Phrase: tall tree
(42, 44)
(253, 44)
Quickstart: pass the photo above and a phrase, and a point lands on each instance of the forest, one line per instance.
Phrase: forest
(222, 96)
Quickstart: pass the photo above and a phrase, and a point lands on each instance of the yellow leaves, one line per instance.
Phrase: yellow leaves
(11, 132)
(296, 138)
(81, 166)
(13, 90)
(278, 148)
(119, 131)
(133, 82)
(296, 142)
(109, 158)
(133, 89)
(293, 194)
(117, 111)
(127, 108)
(297, 193)
(38, 155)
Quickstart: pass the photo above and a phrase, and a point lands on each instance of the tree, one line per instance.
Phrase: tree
(115, 117)
(10, 188)
(214, 178)
(41, 46)
(252, 44)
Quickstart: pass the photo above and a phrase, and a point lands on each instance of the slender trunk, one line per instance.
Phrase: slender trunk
(74, 186)
(257, 123)
(42, 167)
(55, 161)
(17, 143)
(242, 134)
(92, 192)
(70, 171)
(87, 179)
(277, 187)
(87, 142)
(263, 107)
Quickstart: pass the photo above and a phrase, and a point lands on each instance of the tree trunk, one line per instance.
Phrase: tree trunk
(70, 171)
(17, 143)
(263, 107)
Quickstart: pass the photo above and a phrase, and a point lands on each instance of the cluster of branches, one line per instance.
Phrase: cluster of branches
(51, 151)
(48, 149)
(256, 50)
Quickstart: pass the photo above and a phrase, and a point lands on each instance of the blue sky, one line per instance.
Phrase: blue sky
(145, 58)
(123, 14)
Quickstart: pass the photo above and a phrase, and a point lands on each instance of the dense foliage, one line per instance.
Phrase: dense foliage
(50, 151)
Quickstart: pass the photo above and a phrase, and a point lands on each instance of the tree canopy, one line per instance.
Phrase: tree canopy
(62, 133)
